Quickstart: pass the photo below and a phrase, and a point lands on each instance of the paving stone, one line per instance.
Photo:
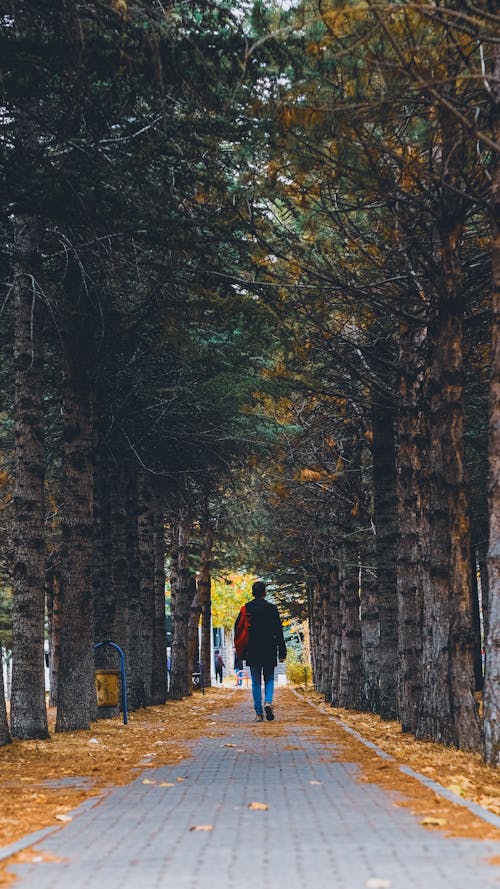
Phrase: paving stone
(336, 833)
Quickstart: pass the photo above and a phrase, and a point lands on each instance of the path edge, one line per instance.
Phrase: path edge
(474, 808)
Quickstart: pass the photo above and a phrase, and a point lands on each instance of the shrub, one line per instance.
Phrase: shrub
(298, 673)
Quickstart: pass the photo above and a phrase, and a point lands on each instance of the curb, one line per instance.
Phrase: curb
(474, 808)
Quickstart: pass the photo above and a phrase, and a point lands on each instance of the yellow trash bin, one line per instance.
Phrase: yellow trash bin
(106, 686)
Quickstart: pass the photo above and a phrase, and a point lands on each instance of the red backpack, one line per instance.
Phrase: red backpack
(242, 632)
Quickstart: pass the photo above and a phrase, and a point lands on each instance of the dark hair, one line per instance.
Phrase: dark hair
(259, 589)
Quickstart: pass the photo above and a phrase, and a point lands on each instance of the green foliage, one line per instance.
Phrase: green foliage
(297, 672)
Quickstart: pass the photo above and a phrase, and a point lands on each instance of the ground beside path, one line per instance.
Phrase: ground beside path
(254, 805)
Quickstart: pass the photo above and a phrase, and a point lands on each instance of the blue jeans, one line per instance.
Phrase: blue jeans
(256, 674)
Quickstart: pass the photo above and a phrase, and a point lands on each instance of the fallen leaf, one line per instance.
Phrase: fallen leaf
(166, 784)
(261, 806)
(315, 782)
(179, 779)
(147, 781)
(431, 821)
(202, 827)
(376, 883)
(229, 745)
(64, 818)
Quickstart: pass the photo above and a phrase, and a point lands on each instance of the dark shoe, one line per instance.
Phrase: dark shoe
(259, 717)
(269, 712)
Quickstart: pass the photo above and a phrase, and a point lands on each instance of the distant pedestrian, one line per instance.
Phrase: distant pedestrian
(238, 668)
(219, 665)
(265, 642)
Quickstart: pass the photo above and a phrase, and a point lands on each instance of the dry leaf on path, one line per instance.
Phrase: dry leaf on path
(166, 784)
(202, 827)
(261, 806)
(147, 781)
(229, 745)
(315, 782)
(64, 818)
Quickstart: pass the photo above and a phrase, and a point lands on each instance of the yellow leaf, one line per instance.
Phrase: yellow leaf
(261, 806)
(202, 827)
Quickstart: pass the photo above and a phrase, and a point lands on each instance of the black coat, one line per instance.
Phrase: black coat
(266, 634)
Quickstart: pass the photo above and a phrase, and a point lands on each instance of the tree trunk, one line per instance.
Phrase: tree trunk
(180, 683)
(315, 632)
(146, 521)
(384, 500)
(413, 509)
(28, 710)
(370, 631)
(180, 671)
(325, 633)
(4, 725)
(482, 558)
(492, 672)
(448, 711)
(159, 665)
(336, 623)
(476, 627)
(193, 624)
(54, 616)
(205, 585)
(76, 692)
(350, 655)
(103, 591)
(119, 558)
(134, 672)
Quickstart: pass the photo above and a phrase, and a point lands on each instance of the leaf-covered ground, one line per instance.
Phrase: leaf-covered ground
(83, 764)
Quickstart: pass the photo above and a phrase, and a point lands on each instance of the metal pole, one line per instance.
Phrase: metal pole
(122, 674)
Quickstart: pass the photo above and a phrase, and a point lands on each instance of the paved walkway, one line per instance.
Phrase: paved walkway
(322, 827)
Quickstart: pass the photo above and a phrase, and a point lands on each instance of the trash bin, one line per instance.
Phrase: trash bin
(106, 686)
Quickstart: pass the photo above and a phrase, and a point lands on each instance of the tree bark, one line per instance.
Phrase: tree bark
(336, 622)
(476, 627)
(370, 631)
(315, 632)
(104, 603)
(325, 633)
(492, 669)
(413, 508)
(28, 709)
(205, 588)
(448, 711)
(349, 695)
(159, 664)
(54, 616)
(384, 488)
(134, 673)
(180, 671)
(76, 692)
(193, 624)
(146, 526)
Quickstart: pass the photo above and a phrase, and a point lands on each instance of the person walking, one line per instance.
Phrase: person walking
(264, 643)
(218, 664)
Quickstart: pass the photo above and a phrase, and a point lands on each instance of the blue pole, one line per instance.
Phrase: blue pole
(122, 674)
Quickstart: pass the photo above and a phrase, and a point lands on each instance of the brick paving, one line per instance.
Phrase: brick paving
(322, 827)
